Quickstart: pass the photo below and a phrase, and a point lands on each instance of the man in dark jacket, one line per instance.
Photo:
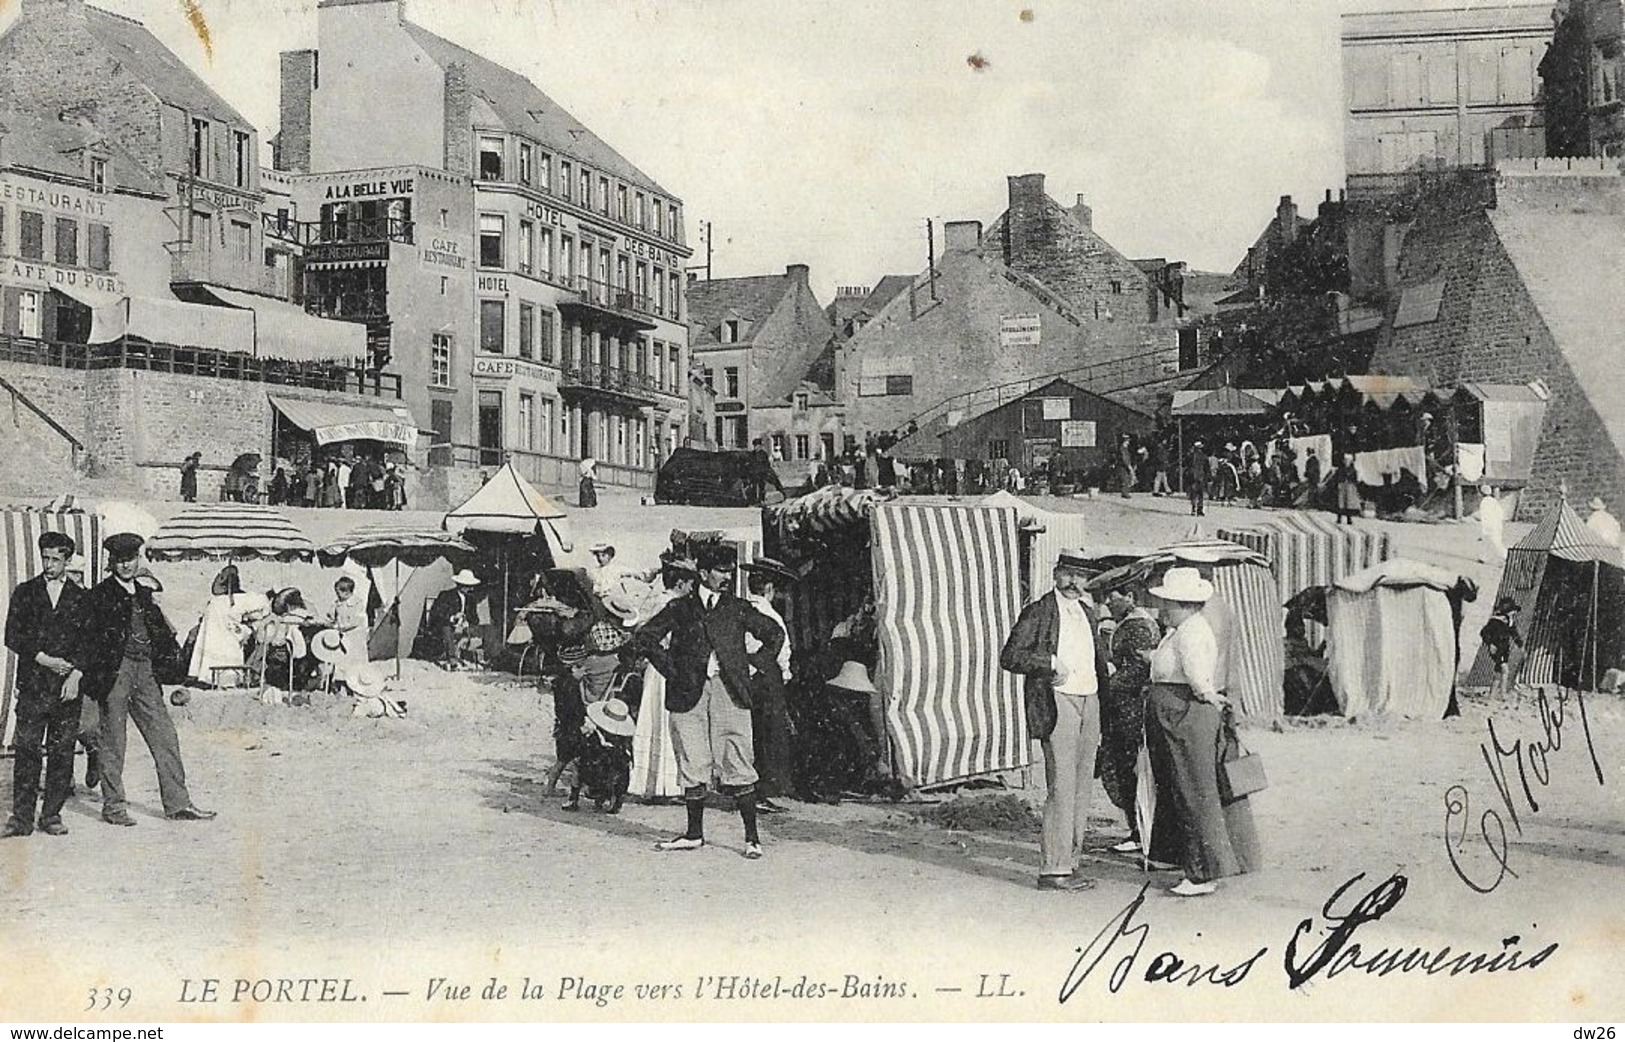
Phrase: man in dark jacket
(39, 632)
(1056, 645)
(708, 691)
(121, 644)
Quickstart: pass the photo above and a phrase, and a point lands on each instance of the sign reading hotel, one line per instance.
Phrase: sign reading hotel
(502, 368)
(444, 252)
(1020, 331)
(50, 275)
(54, 199)
(380, 189)
(492, 284)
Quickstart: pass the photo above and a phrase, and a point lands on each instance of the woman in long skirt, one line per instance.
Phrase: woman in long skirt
(1122, 705)
(1185, 721)
(589, 488)
(654, 758)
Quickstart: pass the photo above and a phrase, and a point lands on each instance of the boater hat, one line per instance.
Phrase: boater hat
(1184, 585)
(1596, 504)
(466, 578)
(612, 716)
(328, 646)
(1073, 561)
(367, 682)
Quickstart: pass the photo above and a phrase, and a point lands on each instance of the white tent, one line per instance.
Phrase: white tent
(1391, 642)
(510, 505)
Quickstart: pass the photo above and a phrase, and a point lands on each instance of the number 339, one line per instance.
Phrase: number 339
(104, 998)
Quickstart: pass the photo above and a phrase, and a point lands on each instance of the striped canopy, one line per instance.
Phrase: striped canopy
(1306, 550)
(385, 542)
(229, 532)
(824, 510)
(1562, 534)
(20, 559)
(946, 581)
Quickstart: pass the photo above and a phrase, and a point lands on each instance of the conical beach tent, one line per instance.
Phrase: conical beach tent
(507, 503)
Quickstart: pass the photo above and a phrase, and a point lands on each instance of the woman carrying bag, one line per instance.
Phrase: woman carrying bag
(1187, 732)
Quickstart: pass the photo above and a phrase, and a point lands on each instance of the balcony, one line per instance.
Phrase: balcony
(351, 305)
(350, 230)
(610, 304)
(608, 381)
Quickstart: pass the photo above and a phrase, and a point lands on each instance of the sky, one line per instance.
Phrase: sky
(827, 132)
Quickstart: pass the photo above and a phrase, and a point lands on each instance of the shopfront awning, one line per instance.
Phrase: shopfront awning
(335, 421)
(164, 321)
(284, 330)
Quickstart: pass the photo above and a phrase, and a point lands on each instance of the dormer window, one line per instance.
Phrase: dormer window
(730, 331)
(490, 159)
(98, 174)
(801, 401)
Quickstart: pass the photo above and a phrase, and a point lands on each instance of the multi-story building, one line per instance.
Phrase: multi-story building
(522, 276)
(1442, 89)
(1583, 79)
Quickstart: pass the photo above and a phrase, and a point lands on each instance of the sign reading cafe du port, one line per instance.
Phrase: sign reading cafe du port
(48, 275)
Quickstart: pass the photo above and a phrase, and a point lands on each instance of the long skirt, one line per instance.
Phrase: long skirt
(654, 758)
(589, 493)
(1182, 736)
(1122, 728)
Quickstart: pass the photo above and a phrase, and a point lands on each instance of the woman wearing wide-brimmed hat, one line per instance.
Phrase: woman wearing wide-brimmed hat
(1185, 712)
(224, 628)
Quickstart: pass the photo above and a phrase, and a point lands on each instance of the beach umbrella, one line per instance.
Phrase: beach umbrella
(229, 532)
(382, 543)
(119, 516)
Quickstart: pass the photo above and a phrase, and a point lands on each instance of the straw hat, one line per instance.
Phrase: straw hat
(466, 578)
(366, 682)
(328, 646)
(612, 716)
(1598, 504)
(619, 604)
(854, 676)
(600, 548)
(1184, 585)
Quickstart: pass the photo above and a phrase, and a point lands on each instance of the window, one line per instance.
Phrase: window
(567, 258)
(603, 196)
(671, 224)
(99, 247)
(899, 385)
(622, 211)
(440, 422)
(490, 405)
(242, 240)
(564, 179)
(490, 159)
(621, 269)
(445, 217)
(730, 331)
(526, 162)
(643, 211)
(67, 242)
(710, 380)
(200, 148)
(544, 335)
(98, 174)
(801, 401)
(660, 225)
(527, 417)
(827, 442)
(493, 326)
(640, 285)
(30, 235)
(544, 251)
(527, 331)
(544, 425)
(676, 379)
(998, 448)
(1117, 287)
(527, 246)
(445, 285)
(544, 171)
(1187, 349)
(491, 228)
(660, 292)
(242, 158)
(586, 189)
(440, 363)
(803, 446)
(730, 374)
(674, 280)
(28, 314)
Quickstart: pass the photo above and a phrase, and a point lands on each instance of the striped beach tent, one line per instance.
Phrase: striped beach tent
(1305, 549)
(946, 582)
(229, 532)
(1570, 590)
(19, 560)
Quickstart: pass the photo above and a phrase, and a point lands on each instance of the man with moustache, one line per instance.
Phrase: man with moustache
(1056, 645)
(39, 632)
(121, 643)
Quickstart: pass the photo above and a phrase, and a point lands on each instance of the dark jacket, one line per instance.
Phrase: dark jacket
(33, 626)
(695, 634)
(1030, 651)
(104, 625)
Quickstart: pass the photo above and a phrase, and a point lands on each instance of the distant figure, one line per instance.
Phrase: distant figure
(1500, 636)
(588, 497)
(1125, 464)
(279, 487)
(1492, 520)
(1349, 502)
(1196, 479)
(1311, 471)
(1603, 523)
(344, 472)
(189, 477)
(1159, 464)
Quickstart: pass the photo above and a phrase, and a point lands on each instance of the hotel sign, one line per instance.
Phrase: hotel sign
(219, 197)
(48, 275)
(652, 253)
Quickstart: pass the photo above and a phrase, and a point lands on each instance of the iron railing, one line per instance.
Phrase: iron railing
(349, 304)
(608, 378)
(351, 229)
(617, 297)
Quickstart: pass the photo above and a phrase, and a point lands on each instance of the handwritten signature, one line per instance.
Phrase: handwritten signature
(1328, 949)
(1532, 758)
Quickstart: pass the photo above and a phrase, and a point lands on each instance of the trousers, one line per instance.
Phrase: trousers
(135, 695)
(1069, 775)
(714, 738)
(47, 730)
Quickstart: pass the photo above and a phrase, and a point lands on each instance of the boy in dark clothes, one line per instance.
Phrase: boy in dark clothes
(605, 770)
(1500, 635)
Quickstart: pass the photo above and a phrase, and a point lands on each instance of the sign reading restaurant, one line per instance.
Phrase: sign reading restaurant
(331, 252)
(56, 199)
(445, 253)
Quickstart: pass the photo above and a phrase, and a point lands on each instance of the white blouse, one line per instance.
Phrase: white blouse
(1188, 654)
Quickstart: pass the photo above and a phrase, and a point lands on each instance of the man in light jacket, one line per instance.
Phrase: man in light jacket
(1056, 646)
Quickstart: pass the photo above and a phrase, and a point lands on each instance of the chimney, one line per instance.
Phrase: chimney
(797, 272)
(457, 117)
(961, 235)
(1026, 226)
(1286, 220)
(293, 140)
(1082, 214)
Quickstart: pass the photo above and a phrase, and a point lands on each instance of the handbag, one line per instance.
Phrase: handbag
(1241, 771)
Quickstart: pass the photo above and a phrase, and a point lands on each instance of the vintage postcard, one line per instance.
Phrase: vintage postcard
(704, 511)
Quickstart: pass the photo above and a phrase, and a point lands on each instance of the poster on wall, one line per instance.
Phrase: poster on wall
(1020, 331)
(1057, 408)
(1078, 434)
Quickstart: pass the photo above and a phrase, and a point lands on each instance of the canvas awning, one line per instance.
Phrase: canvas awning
(336, 421)
(286, 331)
(1226, 401)
(163, 321)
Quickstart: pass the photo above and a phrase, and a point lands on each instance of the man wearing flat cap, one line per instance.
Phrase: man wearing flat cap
(1056, 646)
(708, 691)
(39, 631)
(123, 640)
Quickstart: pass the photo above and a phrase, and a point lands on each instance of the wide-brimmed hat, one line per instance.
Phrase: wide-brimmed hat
(1184, 585)
(619, 604)
(854, 676)
(328, 646)
(774, 569)
(600, 548)
(612, 716)
(1598, 504)
(570, 654)
(466, 578)
(367, 682)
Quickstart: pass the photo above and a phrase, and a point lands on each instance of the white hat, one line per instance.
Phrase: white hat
(854, 676)
(612, 716)
(601, 548)
(466, 578)
(1598, 504)
(367, 681)
(328, 646)
(1185, 585)
(619, 604)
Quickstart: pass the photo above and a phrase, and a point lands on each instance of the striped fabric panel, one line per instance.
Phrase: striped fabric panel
(1061, 532)
(20, 560)
(229, 531)
(1520, 580)
(946, 582)
(1257, 652)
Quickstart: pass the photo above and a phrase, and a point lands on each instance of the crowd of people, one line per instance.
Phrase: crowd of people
(355, 482)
